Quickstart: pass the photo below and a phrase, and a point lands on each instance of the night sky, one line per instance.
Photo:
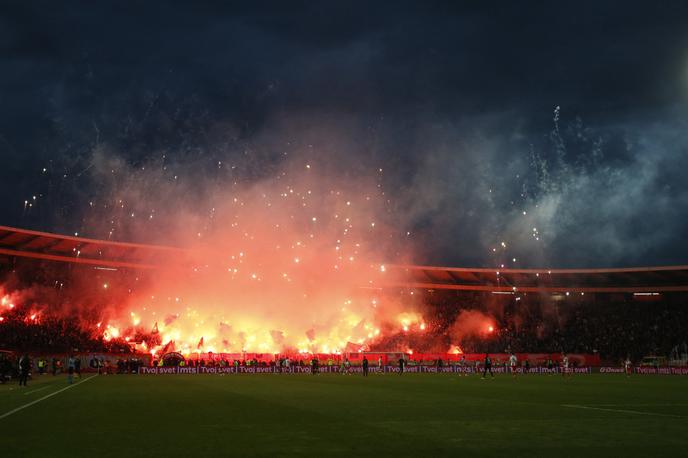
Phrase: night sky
(560, 129)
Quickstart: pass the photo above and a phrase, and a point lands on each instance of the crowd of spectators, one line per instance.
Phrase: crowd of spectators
(224, 362)
(615, 330)
(615, 327)
(55, 334)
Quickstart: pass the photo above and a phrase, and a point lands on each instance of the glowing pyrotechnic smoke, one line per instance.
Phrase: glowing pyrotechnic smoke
(471, 323)
(455, 350)
(281, 266)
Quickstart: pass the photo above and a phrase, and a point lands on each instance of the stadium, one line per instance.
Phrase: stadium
(599, 347)
(342, 229)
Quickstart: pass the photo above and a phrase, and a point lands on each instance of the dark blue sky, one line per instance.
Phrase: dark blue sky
(458, 103)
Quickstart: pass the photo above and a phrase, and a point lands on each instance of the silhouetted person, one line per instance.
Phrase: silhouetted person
(77, 367)
(488, 366)
(70, 369)
(365, 366)
(24, 368)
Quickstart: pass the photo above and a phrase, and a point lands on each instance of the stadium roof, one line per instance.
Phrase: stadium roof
(22, 243)
(620, 280)
(79, 250)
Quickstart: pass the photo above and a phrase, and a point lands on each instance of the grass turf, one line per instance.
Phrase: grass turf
(335, 415)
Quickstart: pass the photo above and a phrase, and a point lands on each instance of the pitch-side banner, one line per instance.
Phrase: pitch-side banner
(351, 370)
(662, 370)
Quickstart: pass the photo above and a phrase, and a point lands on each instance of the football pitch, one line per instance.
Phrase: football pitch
(345, 415)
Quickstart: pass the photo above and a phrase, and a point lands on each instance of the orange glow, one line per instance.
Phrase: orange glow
(237, 299)
(110, 333)
(455, 350)
(291, 263)
(407, 319)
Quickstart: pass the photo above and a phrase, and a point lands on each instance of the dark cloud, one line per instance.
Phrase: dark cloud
(454, 102)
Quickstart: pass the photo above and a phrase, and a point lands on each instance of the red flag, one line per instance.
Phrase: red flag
(168, 347)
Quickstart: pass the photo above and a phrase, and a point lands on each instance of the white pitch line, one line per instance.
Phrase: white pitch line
(633, 404)
(45, 397)
(35, 391)
(637, 412)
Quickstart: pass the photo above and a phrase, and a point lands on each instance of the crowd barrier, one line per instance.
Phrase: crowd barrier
(395, 369)
(662, 370)
(337, 369)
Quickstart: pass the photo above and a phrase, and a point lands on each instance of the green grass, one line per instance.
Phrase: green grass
(422, 415)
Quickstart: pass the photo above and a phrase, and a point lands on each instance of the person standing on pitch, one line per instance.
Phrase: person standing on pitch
(401, 365)
(379, 364)
(512, 363)
(565, 365)
(24, 367)
(77, 366)
(550, 365)
(365, 366)
(71, 363)
(488, 366)
(464, 366)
